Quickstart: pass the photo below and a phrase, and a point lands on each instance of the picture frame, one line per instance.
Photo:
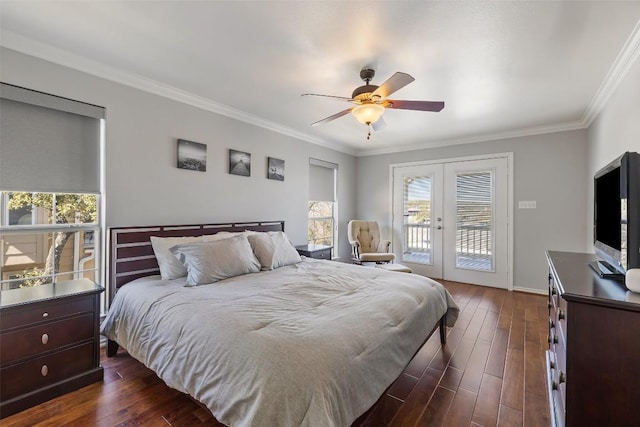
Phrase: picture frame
(239, 163)
(192, 155)
(275, 169)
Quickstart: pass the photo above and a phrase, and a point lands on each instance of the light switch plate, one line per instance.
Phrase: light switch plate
(526, 204)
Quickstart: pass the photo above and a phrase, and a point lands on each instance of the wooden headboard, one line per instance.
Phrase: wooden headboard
(131, 255)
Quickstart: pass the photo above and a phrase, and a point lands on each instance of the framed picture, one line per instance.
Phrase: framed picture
(239, 163)
(192, 155)
(275, 169)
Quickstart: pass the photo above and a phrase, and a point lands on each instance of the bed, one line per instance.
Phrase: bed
(304, 343)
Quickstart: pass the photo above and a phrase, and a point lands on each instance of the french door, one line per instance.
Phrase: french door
(450, 220)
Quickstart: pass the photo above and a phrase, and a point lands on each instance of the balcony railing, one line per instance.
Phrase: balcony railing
(473, 245)
(417, 237)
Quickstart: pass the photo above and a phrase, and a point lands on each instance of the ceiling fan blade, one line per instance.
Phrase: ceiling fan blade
(335, 116)
(379, 124)
(415, 105)
(393, 83)
(327, 96)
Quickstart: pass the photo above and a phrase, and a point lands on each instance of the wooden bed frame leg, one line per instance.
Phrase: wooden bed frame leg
(443, 329)
(112, 348)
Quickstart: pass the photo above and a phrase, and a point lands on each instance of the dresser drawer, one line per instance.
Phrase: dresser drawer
(323, 254)
(22, 343)
(46, 370)
(45, 311)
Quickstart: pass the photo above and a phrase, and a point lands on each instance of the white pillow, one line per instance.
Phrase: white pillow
(170, 267)
(209, 262)
(273, 249)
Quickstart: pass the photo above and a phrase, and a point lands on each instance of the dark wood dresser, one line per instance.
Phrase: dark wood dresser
(593, 361)
(315, 251)
(49, 342)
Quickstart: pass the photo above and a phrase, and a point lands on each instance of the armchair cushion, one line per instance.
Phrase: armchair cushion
(377, 257)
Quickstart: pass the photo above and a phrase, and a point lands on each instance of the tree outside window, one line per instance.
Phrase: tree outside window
(34, 257)
(321, 223)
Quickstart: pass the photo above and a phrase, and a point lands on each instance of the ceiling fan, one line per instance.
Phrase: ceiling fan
(371, 100)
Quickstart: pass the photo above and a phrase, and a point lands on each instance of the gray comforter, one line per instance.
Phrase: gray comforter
(312, 344)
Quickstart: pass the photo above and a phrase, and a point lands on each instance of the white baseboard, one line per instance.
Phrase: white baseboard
(531, 290)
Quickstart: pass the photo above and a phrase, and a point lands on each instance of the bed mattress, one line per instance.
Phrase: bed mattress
(315, 343)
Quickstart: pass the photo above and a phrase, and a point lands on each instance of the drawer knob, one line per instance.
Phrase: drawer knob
(554, 385)
(562, 378)
(560, 314)
(555, 339)
(45, 314)
(45, 338)
(553, 291)
(44, 370)
(552, 365)
(552, 324)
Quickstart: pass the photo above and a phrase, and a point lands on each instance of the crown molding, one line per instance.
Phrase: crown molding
(538, 130)
(44, 51)
(623, 62)
(618, 71)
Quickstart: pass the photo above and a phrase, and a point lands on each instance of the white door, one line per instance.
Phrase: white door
(417, 224)
(450, 220)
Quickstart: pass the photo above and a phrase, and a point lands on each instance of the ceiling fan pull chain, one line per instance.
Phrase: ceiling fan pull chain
(369, 134)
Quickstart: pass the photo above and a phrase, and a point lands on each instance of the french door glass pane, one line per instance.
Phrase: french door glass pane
(417, 219)
(474, 221)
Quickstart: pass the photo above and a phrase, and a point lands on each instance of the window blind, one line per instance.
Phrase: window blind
(474, 220)
(322, 180)
(48, 143)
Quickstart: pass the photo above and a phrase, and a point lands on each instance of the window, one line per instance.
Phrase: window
(51, 189)
(323, 207)
(49, 241)
(321, 223)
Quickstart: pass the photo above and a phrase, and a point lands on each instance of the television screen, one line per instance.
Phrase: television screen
(608, 210)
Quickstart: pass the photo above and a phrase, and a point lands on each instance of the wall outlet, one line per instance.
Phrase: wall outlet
(526, 204)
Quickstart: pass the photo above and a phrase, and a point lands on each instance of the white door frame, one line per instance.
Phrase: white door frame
(510, 197)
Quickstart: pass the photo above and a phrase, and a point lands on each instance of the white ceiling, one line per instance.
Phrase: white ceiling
(502, 68)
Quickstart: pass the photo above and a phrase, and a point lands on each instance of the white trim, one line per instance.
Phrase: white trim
(627, 56)
(531, 290)
(19, 43)
(539, 130)
(623, 62)
(452, 160)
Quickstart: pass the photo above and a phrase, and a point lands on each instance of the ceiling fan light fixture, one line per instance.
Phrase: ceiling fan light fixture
(367, 113)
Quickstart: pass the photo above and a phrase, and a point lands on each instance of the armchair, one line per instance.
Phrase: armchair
(366, 245)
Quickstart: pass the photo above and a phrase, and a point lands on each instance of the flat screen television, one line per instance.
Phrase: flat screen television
(616, 216)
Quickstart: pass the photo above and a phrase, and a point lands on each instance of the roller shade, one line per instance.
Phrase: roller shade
(322, 180)
(48, 143)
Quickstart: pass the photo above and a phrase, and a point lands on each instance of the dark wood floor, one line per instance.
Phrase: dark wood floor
(491, 372)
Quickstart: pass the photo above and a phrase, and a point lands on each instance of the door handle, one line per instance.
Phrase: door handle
(439, 227)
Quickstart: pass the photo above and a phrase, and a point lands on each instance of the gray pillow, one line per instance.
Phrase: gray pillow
(209, 262)
(273, 249)
(170, 267)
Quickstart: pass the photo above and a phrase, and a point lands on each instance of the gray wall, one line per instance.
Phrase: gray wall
(143, 185)
(548, 169)
(615, 130)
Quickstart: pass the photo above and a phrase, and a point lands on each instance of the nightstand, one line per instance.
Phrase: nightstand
(315, 251)
(50, 342)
